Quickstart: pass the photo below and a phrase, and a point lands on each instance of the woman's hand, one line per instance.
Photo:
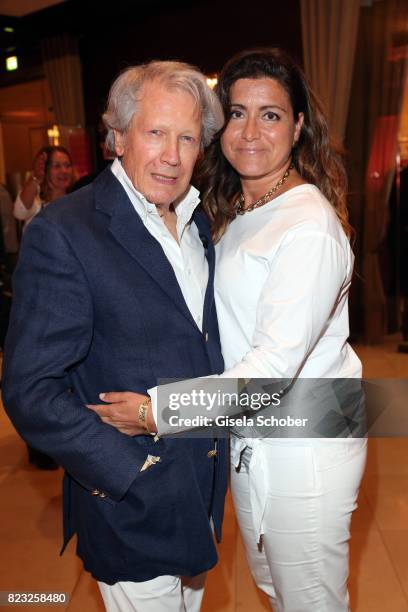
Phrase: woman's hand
(121, 410)
(39, 167)
(31, 186)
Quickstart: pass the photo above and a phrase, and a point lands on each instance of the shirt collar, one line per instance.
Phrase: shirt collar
(143, 207)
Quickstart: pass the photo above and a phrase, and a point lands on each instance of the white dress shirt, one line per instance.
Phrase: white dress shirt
(187, 257)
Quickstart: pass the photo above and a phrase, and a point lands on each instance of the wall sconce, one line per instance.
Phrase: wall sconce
(11, 63)
(53, 135)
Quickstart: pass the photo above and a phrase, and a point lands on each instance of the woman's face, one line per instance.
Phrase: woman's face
(60, 171)
(261, 130)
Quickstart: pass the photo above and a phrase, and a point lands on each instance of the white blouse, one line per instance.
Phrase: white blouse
(26, 214)
(282, 278)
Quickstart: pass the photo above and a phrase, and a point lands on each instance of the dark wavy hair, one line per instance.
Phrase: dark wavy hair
(316, 157)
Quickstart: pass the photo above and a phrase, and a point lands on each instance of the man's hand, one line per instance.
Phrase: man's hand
(122, 411)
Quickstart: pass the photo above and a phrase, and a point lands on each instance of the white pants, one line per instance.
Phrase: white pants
(311, 488)
(162, 594)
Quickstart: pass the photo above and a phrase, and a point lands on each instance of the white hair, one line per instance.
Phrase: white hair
(125, 93)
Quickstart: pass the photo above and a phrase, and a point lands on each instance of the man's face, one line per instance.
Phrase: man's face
(160, 148)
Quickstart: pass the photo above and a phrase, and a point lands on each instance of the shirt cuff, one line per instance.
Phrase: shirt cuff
(153, 396)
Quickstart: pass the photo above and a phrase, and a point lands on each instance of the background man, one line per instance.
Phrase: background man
(114, 290)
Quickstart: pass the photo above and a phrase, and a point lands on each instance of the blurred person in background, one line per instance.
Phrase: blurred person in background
(52, 177)
(8, 257)
(9, 229)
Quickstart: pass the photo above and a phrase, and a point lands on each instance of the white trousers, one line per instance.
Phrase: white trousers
(310, 489)
(162, 594)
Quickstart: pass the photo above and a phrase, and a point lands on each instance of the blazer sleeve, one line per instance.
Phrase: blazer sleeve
(50, 332)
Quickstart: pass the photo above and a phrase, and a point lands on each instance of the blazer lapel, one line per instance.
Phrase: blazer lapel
(203, 226)
(128, 230)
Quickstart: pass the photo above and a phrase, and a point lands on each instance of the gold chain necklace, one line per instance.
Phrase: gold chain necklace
(239, 206)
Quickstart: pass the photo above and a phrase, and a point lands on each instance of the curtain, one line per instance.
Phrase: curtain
(62, 67)
(329, 34)
(372, 143)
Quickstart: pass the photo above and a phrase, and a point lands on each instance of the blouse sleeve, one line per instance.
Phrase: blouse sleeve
(26, 214)
(305, 282)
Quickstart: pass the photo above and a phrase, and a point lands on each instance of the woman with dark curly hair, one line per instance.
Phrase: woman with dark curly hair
(274, 187)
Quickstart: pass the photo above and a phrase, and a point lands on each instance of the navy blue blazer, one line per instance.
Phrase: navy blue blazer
(97, 307)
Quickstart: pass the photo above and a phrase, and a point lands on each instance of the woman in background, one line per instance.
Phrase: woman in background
(52, 177)
(275, 190)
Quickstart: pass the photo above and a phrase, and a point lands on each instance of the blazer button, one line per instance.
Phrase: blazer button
(212, 453)
(95, 492)
(206, 336)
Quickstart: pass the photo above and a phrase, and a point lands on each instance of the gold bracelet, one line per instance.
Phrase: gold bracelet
(143, 408)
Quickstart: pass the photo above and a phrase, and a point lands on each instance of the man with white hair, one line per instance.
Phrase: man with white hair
(114, 290)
